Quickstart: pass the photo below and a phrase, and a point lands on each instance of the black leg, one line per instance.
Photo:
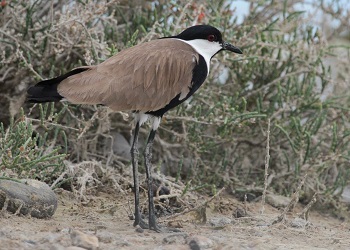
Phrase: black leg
(134, 157)
(148, 156)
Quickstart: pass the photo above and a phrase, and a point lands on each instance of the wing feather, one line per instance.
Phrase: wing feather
(136, 78)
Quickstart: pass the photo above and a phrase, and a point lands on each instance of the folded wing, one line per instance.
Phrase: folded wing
(142, 78)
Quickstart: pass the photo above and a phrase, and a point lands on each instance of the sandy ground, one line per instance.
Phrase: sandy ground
(106, 217)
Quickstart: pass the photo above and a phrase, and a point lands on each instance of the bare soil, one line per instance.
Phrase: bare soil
(107, 217)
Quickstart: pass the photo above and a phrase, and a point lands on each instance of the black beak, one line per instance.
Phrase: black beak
(230, 47)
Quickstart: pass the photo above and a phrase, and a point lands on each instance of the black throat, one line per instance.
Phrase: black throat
(199, 74)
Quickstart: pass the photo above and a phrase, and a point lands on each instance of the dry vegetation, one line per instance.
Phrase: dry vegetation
(218, 138)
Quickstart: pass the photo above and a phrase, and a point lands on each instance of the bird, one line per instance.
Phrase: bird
(147, 79)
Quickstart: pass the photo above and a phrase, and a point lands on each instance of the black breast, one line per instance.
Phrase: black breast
(199, 74)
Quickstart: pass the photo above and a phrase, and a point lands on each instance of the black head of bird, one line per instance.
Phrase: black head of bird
(147, 79)
(206, 36)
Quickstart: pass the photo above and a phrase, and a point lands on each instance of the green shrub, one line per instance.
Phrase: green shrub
(26, 153)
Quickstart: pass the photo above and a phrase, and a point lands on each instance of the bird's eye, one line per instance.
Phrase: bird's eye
(211, 38)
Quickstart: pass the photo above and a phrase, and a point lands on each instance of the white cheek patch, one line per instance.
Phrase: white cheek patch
(205, 48)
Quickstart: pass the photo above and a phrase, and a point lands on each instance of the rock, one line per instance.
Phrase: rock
(194, 245)
(179, 238)
(105, 236)
(28, 197)
(172, 247)
(57, 247)
(345, 195)
(299, 223)
(199, 242)
(121, 146)
(139, 229)
(277, 201)
(219, 221)
(122, 244)
(74, 248)
(80, 239)
(239, 212)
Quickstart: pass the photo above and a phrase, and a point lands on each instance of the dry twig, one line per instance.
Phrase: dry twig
(203, 204)
(293, 201)
(267, 162)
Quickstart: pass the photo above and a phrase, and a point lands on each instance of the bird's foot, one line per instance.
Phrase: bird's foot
(140, 222)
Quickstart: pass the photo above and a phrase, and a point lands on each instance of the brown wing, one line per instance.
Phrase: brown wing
(145, 77)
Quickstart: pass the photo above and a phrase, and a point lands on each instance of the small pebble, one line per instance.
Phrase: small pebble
(80, 239)
(277, 201)
(28, 197)
(200, 242)
(105, 236)
(139, 229)
(239, 213)
(179, 238)
(219, 221)
(172, 247)
(194, 245)
(299, 223)
(74, 248)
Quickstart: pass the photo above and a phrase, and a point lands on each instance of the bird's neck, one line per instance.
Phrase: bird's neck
(205, 48)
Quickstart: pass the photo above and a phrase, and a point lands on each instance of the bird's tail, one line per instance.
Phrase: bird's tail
(46, 91)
